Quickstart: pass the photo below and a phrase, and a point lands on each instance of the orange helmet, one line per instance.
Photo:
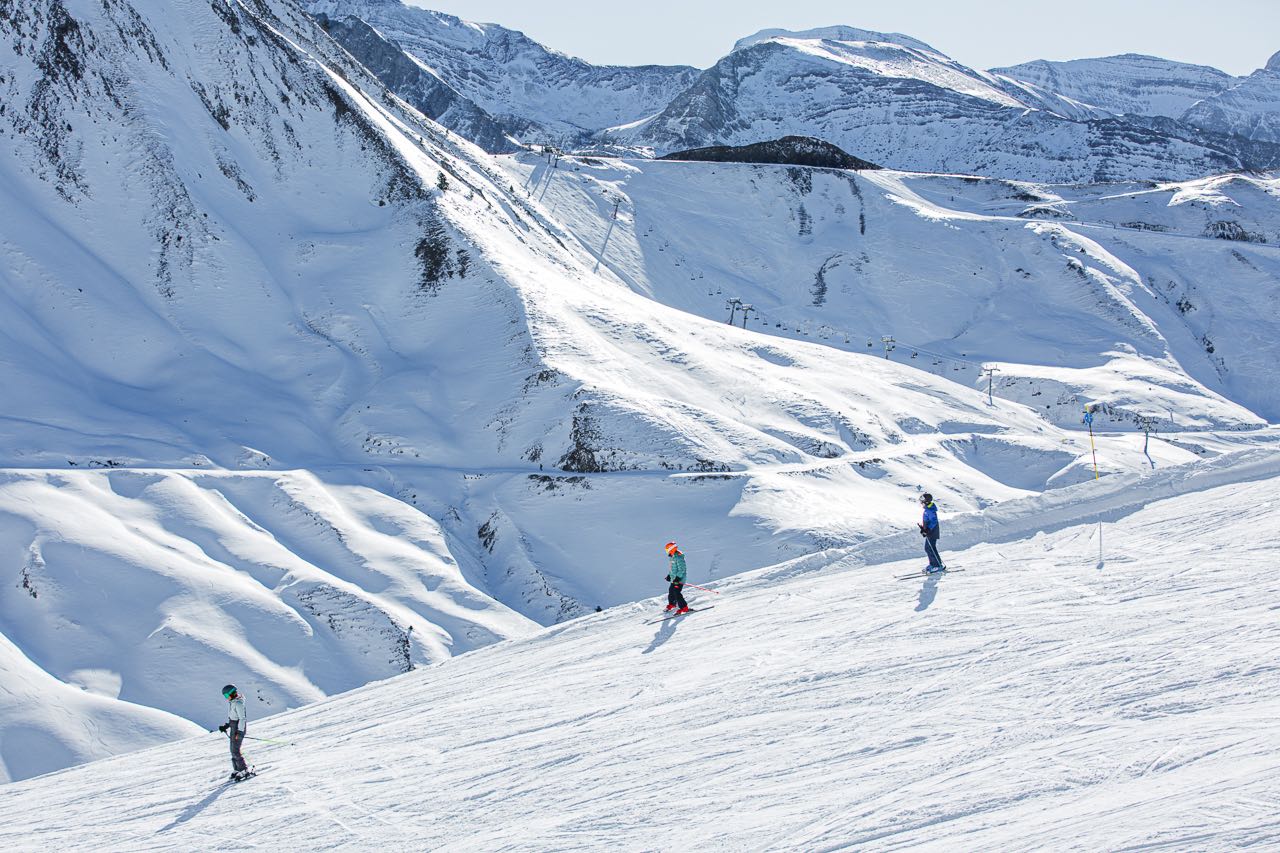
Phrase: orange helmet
(670, 548)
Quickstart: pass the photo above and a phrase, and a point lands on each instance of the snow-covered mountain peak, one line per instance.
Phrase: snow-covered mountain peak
(1127, 84)
(888, 56)
(1273, 64)
(535, 94)
(835, 33)
(898, 102)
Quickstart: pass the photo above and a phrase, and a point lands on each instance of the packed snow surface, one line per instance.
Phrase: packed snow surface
(1105, 683)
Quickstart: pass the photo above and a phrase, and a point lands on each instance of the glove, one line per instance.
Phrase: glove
(223, 728)
(667, 579)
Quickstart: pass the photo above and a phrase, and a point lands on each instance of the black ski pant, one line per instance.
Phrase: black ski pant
(237, 738)
(931, 550)
(674, 596)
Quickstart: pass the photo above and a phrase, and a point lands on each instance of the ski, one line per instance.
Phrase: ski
(248, 774)
(667, 616)
(929, 574)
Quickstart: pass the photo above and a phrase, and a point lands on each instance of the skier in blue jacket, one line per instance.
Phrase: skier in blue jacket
(931, 530)
(676, 574)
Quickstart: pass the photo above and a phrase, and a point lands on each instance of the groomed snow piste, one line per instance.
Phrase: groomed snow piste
(1042, 699)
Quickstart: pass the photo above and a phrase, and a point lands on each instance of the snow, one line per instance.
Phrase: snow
(283, 399)
(838, 33)
(899, 103)
(1040, 699)
(1249, 109)
(541, 95)
(1127, 84)
(945, 264)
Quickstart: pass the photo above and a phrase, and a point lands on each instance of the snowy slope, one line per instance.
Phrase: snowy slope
(895, 101)
(1042, 699)
(305, 589)
(1126, 84)
(1146, 299)
(538, 94)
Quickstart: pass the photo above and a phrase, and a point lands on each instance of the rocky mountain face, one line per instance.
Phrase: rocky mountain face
(1127, 84)
(1250, 109)
(536, 94)
(889, 98)
(897, 102)
(1198, 96)
(417, 84)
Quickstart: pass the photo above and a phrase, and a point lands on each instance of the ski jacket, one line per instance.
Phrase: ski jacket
(236, 715)
(932, 529)
(678, 571)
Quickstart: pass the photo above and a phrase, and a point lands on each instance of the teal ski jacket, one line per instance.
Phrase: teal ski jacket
(678, 572)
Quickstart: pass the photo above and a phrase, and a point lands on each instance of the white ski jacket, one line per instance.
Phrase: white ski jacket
(237, 713)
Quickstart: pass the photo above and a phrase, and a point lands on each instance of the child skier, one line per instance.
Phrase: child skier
(234, 728)
(676, 574)
(931, 530)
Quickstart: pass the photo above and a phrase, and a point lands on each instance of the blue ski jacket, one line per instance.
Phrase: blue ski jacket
(678, 572)
(931, 520)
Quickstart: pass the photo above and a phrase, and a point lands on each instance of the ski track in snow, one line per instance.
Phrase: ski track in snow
(1036, 701)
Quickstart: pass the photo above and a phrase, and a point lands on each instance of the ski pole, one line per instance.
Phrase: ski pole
(1088, 419)
(269, 740)
(695, 586)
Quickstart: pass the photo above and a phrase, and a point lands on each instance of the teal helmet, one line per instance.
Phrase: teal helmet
(229, 691)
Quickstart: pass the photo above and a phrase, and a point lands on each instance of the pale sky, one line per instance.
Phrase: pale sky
(1237, 36)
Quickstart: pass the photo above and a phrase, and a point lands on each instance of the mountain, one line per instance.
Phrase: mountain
(1250, 108)
(1044, 281)
(895, 101)
(420, 87)
(1203, 97)
(224, 265)
(1126, 84)
(538, 95)
(1101, 675)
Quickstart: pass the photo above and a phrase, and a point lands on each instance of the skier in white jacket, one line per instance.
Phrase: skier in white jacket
(235, 727)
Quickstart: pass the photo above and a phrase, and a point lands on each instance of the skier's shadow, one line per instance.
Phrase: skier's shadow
(665, 632)
(928, 592)
(195, 808)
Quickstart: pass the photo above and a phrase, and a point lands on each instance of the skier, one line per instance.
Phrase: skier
(676, 574)
(234, 728)
(931, 530)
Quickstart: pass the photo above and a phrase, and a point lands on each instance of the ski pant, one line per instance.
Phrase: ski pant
(237, 738)
(674, 596)
(931, 550)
